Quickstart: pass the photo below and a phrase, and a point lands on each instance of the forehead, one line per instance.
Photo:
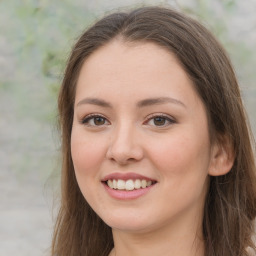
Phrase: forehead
(128, 64)
(135, 54)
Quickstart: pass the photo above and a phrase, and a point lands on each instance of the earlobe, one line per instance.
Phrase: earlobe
(222, 157)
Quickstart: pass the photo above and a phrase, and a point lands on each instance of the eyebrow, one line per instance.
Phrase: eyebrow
(94, 101)
(159, 101)
(140, 104)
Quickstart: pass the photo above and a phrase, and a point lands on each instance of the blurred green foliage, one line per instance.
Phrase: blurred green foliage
(39, 35)
(218, 16)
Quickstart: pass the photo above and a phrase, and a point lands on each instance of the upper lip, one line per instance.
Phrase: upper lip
(126, 176)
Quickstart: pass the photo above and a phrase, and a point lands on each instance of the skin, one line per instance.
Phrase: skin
(177, 153)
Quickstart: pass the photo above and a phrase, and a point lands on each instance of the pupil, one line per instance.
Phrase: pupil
(159, 121)
(99, 120)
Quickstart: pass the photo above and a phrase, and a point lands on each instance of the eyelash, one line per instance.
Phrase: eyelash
(87, 119)
(166, 118)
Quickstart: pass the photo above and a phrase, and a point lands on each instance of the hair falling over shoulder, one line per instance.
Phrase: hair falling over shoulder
(230, 207)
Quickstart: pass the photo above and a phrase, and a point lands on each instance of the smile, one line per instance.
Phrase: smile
(129, 185)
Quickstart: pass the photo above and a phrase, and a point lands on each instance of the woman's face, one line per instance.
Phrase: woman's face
(140, 143)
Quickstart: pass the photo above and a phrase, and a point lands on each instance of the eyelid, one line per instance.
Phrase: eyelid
(169, 118)
(88, 117)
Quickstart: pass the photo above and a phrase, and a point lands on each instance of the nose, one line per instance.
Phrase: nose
(124, 146)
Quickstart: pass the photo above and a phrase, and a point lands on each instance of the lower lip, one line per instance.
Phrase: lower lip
(127, 195)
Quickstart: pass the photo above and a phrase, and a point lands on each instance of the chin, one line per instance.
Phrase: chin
(128, 222)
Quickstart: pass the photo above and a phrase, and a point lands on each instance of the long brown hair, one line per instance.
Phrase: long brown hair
(228, 223)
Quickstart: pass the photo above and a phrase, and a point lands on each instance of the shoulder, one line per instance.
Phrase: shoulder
(251, 252)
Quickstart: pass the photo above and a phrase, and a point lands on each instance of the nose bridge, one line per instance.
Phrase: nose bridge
(124, 144)
(123, 137)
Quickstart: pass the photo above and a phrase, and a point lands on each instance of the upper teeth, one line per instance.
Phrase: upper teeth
(128, 184)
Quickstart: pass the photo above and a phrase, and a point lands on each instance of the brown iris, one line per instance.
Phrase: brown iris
(99, 120)
(159, 121)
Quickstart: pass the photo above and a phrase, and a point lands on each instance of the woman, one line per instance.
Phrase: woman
(157, 154)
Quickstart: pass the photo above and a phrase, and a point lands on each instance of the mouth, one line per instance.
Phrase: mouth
(129, 185)
(128, 181)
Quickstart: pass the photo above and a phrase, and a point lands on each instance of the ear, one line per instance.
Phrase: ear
(222, 157)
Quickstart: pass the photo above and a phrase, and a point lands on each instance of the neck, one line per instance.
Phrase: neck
(166, 241)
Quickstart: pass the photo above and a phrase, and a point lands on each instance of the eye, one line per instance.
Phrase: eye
(160, 121)
(95, 120)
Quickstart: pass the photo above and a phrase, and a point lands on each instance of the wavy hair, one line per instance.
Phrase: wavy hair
(229, 212)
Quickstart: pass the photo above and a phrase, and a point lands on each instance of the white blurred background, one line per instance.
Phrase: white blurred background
(35, 38)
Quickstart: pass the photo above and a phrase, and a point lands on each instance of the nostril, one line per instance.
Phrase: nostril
(124, 156)
(124, 147)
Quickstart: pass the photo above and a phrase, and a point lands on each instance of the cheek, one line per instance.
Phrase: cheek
(171, 153)
(182, 157)
(87, 152)
(182, 165)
